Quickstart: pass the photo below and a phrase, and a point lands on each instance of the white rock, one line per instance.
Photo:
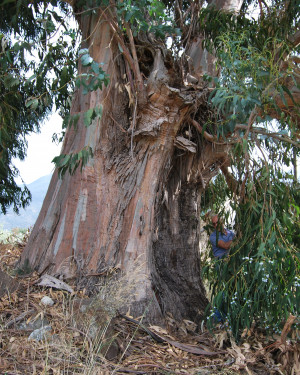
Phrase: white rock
(47, 301)
(40, 334)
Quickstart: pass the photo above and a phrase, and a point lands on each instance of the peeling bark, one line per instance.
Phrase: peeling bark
(135, 206)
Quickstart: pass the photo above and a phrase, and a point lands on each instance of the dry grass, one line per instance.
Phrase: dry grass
(88, 337)
(118, 288)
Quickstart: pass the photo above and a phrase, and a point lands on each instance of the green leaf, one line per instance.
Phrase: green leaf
(282, 95)
(32, 103)
(10, 81)
(86, 60)
(88, 117)
(61, 160)
(95, 67)
(83, 51)
(289, 94)
(50, 26)
(261, 249)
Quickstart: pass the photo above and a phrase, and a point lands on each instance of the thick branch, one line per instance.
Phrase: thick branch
(209, 137)
(206, 135)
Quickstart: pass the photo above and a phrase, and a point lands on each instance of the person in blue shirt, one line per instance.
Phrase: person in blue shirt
(221, 238)
(221, 241)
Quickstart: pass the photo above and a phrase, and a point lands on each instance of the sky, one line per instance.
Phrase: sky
(41, 150)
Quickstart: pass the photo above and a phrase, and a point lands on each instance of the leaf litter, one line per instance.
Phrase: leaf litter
(83, 340)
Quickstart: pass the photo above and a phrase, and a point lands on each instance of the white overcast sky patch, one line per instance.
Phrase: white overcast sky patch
(41, 150)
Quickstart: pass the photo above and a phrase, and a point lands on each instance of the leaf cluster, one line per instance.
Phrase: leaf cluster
(276, 22)
(94, 77)
(148, 16)
(36, 75)
(245, 74)
(144, 16)
(259, 282)
(70, 162)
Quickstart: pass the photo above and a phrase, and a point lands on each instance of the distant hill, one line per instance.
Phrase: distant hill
(27, 217)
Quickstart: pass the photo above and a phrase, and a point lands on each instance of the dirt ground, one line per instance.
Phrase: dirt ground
(79, 335)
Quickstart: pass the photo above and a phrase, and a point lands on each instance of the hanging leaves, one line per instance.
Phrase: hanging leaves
(94, 77)
(70, 162)
(259, 282)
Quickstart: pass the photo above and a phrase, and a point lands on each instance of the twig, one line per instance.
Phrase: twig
(133, 126)
(287, 328)
(139, 78)
(84, 334)
(18, 318)
(250, 123)
(126, 53)
(185, 347)
(210, 137)
(272, 135)
(116, 122)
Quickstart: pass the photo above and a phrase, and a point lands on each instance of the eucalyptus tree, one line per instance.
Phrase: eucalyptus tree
(168, 94)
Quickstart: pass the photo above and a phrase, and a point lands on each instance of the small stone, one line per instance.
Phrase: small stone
(47, 301)
(39, 334)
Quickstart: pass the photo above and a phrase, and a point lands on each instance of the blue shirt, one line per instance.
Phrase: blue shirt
(218, 251)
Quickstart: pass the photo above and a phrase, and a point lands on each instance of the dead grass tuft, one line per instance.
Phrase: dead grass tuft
(117, 289)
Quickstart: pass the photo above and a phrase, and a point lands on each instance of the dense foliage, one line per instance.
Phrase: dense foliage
(257, 64)
(36, 67)
(259, 282)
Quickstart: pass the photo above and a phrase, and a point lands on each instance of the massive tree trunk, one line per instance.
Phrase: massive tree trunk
(135, 207)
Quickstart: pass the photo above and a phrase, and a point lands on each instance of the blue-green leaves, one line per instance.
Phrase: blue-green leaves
(91, 80)
(94, 77)
(91, 114)
(70, 162)
(147, 16)
(86, 117)
(259, 280)
(245, 73)
(86, 59)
